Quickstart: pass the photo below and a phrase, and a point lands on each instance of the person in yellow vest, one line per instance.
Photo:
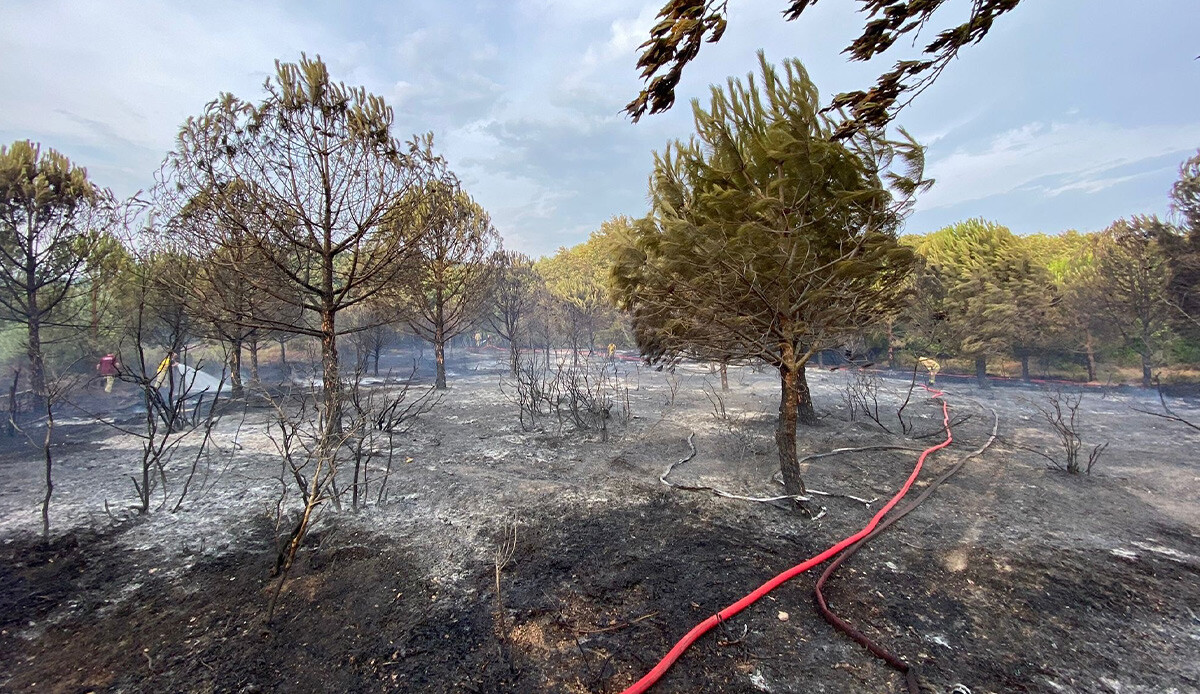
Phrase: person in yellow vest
(931, 366)
(164, 370)
(612, 351)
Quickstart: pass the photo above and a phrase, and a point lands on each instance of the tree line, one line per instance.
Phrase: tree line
(296, 216)
(773, 235)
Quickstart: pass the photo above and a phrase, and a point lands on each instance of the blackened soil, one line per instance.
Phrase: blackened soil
(591, 599)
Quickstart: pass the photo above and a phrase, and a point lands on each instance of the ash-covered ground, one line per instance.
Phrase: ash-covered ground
(1013, 576)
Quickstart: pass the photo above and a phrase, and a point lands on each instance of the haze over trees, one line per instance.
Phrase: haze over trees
(577, 281)
(772, 237)
(303, 181)
(453, 242)
(48, 207)
(769, 239)
(469, 537)
(516, 295)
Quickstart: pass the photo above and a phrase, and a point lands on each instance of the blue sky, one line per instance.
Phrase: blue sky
(1070, 114)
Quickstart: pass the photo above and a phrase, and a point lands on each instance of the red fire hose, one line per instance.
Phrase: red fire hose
(704, 627)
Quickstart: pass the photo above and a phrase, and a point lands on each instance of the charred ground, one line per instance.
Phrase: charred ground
(1012, 577)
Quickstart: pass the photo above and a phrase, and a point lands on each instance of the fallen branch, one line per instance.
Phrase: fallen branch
(857, 449)
(616, 627)
(1168, 416)
(720, 492)
(864, 502)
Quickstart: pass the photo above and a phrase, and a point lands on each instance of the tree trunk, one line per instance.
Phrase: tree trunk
(574, 342)
(375, 354)
(981, 372)
(151, 425)
(37, 362)
(1025, 367)
(806, 414)
(254, 379)
(330, 382)
(724, 377)
(891, 348)
(1091, 355)
(439, 355)
(283, 352)
(10, 425)
(439, 341)
(1147, 375)
(785, 430)
(514, 356)
(49, 467)
(235, 368)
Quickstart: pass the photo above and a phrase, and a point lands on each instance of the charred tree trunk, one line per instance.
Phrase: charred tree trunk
(1147, 371)
(439, 344)
(514, 356)
(37, 362)
(724, 377)
(574, 341)
(95, 307)
(253, 345)
(375, 354)
(10, 425)
(1025, 367)
(805, 412)
(283, 352)
(981, 372)
(330, 382)
(235, 369)
(785, 428)
(49, 459)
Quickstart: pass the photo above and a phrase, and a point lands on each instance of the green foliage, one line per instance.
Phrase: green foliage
(981, 293)
(767, 238)
(577, 281)
(514, 298)
(451, 273)
(47, 207)
(1181, 245)
(1185, 351)
(684, 25)
(1133, 285)
(306, 179)
(1185, 194)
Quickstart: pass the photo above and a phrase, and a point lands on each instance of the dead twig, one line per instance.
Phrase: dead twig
(616, 627)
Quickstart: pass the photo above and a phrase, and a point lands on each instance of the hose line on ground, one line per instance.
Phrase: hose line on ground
(704, 627)
(911, 678)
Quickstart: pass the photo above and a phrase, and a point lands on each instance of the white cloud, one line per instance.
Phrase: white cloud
(525, 98)
(625, 35)
(1051, 159)
(124, 75)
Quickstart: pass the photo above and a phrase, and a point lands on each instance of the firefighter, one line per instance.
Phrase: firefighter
(109, 367)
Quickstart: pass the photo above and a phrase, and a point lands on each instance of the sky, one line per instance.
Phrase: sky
(1069, 115)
